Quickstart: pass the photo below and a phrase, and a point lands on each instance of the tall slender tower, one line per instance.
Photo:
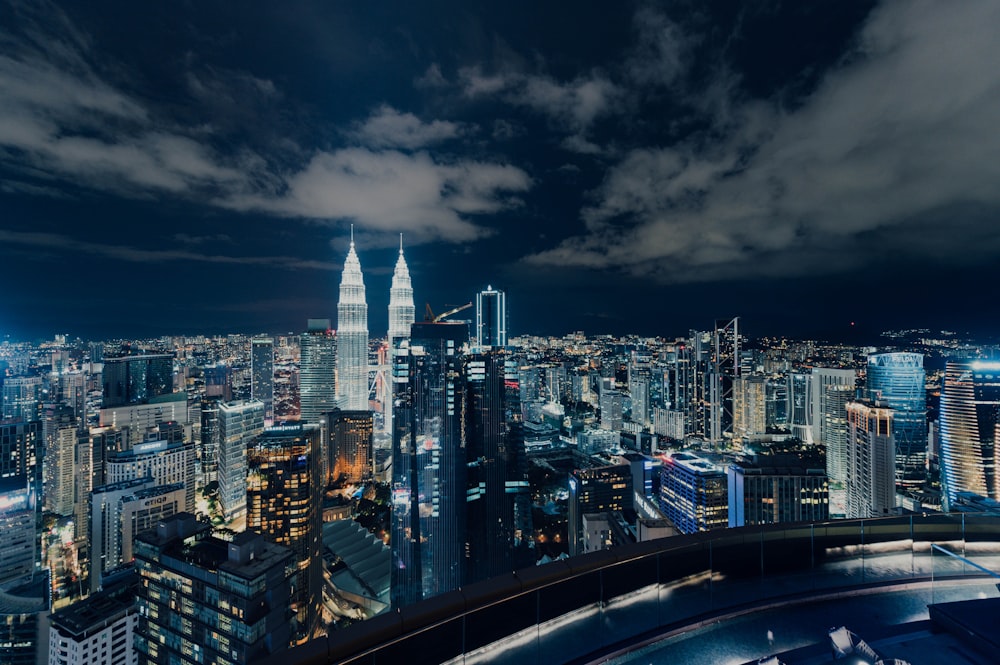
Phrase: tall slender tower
(401, 317)
(352, 336)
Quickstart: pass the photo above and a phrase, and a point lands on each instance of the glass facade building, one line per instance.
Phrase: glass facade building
(262, 374)
(970, 406)
(897, 380)
(693, 493)
(352, 336)
(491, 317)
(136, 379)
(317, 370)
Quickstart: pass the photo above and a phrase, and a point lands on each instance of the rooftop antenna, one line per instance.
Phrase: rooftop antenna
(352, 235)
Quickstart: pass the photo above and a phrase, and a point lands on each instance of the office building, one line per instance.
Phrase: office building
(834, 419)
(693, 493)
(136, 379)
(136, 419)
(167, 463)
(208, 600)
(496, 474)
(208, 452)
(870, 481)
(19, 545)
(722, 372)
(612, 417)
(21, 451)
(749, 408)
(429, 464)
(61, 433)
(350, 445)
(800, 406)
(832, 388)
(22, 398)
(219, 382)
(99, 630)
(262, 374)
(970, 411)
(401, 316)
(491, 318)
(121, 511)
(599, 490)
(317, 370)
(239, 424)
(897, 380)
(284, 491)
(768, 489)
(352, 336)
(24, 621)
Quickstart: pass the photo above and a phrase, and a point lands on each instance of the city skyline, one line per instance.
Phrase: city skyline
(644, 169)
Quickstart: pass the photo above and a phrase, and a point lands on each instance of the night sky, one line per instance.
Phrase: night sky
(624, 167)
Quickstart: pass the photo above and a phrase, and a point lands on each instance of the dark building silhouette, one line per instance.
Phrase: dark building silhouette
(137, 379)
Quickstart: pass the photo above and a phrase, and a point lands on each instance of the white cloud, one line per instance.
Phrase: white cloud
(392, 191)
(388, 128)
(897, 147)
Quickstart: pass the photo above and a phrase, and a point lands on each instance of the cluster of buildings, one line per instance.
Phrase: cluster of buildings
(184, 500)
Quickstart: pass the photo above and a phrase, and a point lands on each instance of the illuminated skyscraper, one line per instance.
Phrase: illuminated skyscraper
(401, 317)
(350, 434)
(897, 380)
(429, 463)
(262, 374)
(137, 379)
(239, 424)
(318, 366)
(352, 336)
(284, 490)
(970, 418)
(491, 317)
(21, 397)
(871, 490)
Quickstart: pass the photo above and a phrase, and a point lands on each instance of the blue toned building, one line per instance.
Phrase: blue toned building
(970, 414)
(429, 464)
(897, 381)
(262, 375)
(693, 493)
(491, 317)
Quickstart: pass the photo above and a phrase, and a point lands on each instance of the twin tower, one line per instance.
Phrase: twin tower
(352, 326)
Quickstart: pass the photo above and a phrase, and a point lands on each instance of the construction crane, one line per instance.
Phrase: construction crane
(430, 317)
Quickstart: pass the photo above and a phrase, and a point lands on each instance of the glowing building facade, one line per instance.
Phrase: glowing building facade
(401, 316)
(897, 380)
(491, 317)
(352, 336)
(870, 473)
(970, 406)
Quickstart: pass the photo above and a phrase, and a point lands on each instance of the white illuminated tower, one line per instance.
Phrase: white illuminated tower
(352, 336)
(401, 316)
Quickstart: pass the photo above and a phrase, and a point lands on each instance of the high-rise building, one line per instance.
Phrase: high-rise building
(401, 316)
(829, 389)
(136, 379)
(98, 630)
(897, 380)
(599, 490)
(870, 478)
(970, 418)
(317, 370)
(19, 545)
(612, 417)
(262, 374)
(496, 475)
(352, 336)
(121, 511)
(22, 398)
(208, 452)
(239, 424)
(167, 463)
(491, 318)
(350, 434)
(61, 432)
(21, 451)
(693, 493)
(749, 407)
(136, 419)
(284, 491)
(429, 464)
(723, 371)
(834, 421)
(208, 600)
(767, 489)
(800, 406)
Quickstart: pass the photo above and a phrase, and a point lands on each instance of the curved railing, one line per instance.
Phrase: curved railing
(567, 610)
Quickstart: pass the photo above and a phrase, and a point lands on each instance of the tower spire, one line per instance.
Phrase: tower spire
(400, 244)
(352, 235)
